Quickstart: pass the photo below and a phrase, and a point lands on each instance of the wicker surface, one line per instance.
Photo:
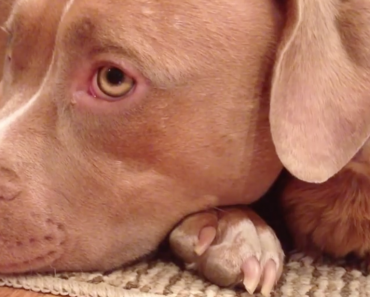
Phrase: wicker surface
(163, 277)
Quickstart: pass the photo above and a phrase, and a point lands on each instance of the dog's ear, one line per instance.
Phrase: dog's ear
(320, 95)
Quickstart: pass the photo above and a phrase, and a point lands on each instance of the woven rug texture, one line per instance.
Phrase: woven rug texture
(160, 277)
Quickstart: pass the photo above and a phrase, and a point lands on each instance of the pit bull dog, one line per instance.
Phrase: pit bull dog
(120, 118)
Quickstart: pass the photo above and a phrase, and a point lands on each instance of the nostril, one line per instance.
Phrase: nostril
(10, 185)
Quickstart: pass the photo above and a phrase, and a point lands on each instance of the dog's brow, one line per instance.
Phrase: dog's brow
(102, 47)
(85, 34)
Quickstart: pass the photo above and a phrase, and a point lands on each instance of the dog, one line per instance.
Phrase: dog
(118, 119)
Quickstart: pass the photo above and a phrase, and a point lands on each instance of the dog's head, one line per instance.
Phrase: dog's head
(119, 118)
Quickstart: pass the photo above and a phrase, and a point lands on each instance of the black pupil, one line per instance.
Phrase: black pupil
(115, 76)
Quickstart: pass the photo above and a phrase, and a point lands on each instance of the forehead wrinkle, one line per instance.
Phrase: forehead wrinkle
(94, 37)
(14, 20)
(85, 36)
(22, 20)
(9, 21)
(16, 5)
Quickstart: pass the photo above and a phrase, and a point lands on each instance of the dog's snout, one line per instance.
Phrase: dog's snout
(10, 184)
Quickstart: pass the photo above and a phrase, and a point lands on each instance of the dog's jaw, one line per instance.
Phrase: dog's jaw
(115, 177)
(23, 251)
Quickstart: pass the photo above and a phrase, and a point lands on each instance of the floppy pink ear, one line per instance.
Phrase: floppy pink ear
(320, 96)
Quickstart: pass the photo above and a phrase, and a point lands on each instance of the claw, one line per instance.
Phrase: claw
(206, 237)
(269, 278)
(252, 274)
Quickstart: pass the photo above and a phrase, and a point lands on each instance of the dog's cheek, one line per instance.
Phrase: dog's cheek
(115, 213)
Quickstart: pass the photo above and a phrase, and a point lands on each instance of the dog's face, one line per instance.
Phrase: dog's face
(118, 118)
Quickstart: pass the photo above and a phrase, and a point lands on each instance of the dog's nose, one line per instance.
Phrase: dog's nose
(10, 184)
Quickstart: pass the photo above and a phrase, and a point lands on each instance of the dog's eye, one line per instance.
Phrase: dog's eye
(113, 83)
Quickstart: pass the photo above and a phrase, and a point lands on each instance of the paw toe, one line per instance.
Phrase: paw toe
(269, 278)
(205, 239)
(251, 270)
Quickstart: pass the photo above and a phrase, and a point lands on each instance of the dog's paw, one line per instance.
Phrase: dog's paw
(230, 247)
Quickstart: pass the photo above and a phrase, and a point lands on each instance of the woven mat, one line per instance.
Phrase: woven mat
(161, 277)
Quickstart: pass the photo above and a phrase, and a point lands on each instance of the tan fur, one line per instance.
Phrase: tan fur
(88, 184)
(333, 217)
